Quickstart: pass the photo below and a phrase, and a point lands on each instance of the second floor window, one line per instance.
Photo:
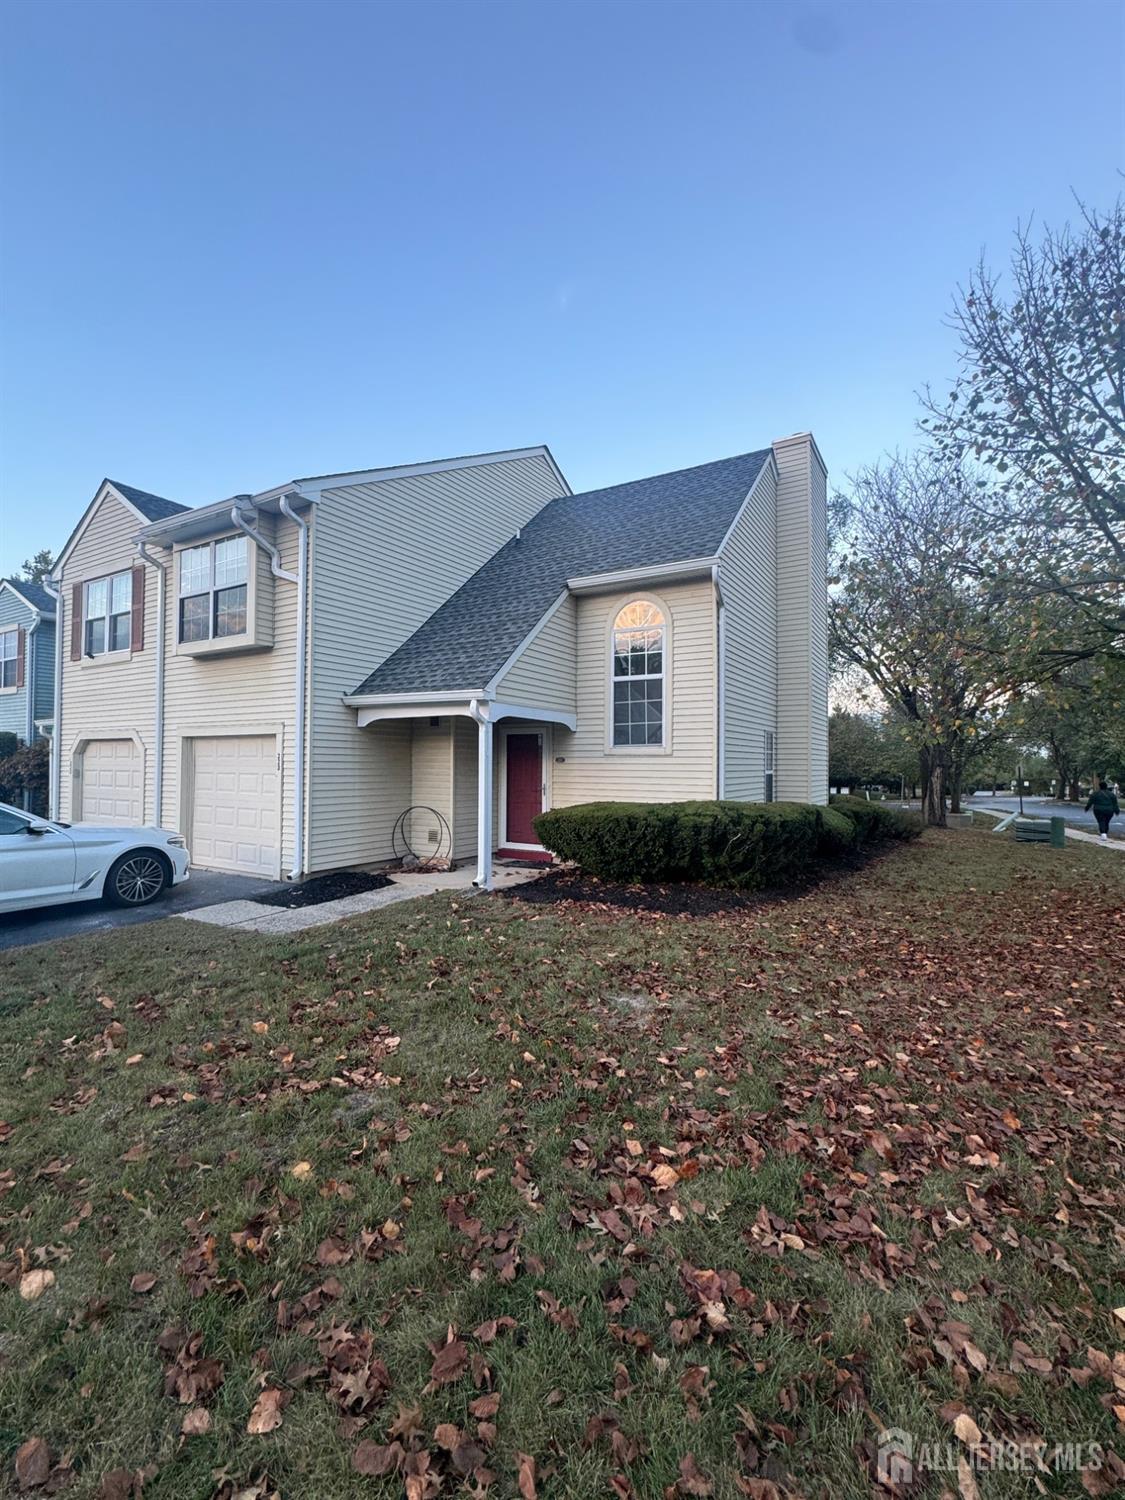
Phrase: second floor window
(213, 584)
(108, 614)
(9, 658)
(638, 675)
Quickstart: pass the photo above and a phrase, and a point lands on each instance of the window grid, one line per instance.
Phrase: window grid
(9, 658)
(108, 615)
(638, 675)
(213, 589)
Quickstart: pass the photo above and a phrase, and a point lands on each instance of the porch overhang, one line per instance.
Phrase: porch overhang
(376, 708)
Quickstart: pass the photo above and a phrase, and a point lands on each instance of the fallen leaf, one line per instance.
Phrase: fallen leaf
(966, 1429)
(33, 1463)
(527, 1476)
(301, 1170)
(196, 1422)
(34, 1283)
(267, 1410)
(143, 1281)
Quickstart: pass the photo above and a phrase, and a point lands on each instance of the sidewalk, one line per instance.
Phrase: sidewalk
(1092, 838)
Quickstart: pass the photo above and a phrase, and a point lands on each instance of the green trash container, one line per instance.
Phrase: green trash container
(1058, 833)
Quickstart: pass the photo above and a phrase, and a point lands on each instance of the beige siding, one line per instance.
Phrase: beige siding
(431, 786)
(802, 655)
(108, 697)
(466, 741)
(592, 772)
(545, 675)
(748, 577)
(385, 555)
(240, 693)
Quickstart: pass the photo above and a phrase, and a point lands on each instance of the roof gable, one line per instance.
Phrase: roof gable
(139, 502)
(33, 595)
(648, 523)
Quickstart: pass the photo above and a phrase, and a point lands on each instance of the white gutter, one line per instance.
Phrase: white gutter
(302, 671)
(256, 536)
(158, 716)
(56, 763)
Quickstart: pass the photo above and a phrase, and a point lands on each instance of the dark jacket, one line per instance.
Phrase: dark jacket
(1103, 802)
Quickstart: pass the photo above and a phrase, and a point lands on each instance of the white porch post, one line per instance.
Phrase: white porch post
(484, 797)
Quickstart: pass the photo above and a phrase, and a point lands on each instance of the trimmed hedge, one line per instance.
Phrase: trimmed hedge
(746, 844)
(874, 820)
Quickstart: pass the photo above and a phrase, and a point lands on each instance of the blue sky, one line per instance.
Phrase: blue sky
(246, 242)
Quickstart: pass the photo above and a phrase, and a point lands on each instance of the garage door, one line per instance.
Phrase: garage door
(235, 805)
(111, 782)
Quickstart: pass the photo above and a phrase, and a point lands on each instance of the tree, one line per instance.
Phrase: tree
(26, 771)
(1079, 721)
(1040, 401)
(933, 638)
(36, 568)
(854, 749)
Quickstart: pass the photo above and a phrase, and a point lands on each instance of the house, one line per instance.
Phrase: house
(301, 679)
(27, 659)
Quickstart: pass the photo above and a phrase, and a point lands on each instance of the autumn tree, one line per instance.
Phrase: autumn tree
(1078, 720)
(1040, 403)
(931, 637)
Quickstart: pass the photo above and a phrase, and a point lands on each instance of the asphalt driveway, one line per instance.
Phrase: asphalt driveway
(205, 888)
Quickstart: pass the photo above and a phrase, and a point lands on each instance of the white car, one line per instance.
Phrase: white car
(47, 864)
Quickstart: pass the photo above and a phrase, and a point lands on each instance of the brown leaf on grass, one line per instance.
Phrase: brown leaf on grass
(143, 1281)
(526, 1478)
(33, 1463)
(450, 1362)
(692, 1480)
(966, 1429)
(378, 1459)
(267, 1410)
(966, 1480)
(196, 1423)
(34, 1283)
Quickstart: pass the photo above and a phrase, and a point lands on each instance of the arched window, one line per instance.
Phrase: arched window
(639, 654)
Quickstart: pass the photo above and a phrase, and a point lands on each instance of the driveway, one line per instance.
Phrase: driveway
(205, 888)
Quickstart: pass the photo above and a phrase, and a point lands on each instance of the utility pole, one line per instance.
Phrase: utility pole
(1019, 784)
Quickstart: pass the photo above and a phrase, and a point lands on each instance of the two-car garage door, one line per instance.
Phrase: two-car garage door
(236, 804)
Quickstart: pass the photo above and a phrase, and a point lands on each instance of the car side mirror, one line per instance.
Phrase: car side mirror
(38, 829)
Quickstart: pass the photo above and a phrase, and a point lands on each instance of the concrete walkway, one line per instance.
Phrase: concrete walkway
(1092, 838)
(251, 916)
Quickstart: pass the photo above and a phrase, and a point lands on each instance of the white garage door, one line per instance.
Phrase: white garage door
(235, 805)
(111, 782)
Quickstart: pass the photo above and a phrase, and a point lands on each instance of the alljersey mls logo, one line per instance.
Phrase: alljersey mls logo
(901, 1457)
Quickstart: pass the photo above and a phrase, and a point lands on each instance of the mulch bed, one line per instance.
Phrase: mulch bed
(323, 888)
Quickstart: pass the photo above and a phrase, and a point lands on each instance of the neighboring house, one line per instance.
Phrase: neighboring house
(284, 676)
(27, 659)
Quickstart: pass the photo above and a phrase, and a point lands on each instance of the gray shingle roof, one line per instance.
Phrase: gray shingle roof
(666, 519)
(152, 507)
(34, 593)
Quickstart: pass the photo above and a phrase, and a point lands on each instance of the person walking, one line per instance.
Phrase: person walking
(1105, 807)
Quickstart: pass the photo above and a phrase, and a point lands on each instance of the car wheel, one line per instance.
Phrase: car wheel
(136, 879)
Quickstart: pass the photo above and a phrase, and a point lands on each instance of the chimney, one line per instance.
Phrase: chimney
(802, 620)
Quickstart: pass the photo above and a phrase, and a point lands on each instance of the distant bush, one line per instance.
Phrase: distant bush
(875, 820)
(9, 743)
(745, 844)
(27, 770)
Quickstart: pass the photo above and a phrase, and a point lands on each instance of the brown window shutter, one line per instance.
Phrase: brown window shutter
(21, 652)
(138, 641)
(76, 623)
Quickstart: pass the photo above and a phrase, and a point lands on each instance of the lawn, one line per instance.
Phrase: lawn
(563, 1200)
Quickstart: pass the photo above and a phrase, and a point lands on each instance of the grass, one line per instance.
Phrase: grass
(891, 1104)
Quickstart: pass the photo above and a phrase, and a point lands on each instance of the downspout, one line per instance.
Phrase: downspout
(302, 671)
(721, 687)
(158, 717)
(259, 540)
(484, 794)
(56, 727)
(29, 676)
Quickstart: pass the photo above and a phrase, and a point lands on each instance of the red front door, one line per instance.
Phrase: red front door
(524, 755)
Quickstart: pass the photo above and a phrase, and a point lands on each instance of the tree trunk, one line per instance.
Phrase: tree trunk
(933, 765)
(955, 779)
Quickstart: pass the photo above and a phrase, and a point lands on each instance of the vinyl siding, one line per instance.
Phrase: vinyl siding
(431, 786)
(385, 555)
(466, 742)
(802, 601)
(13, 702)
(589, 771)
(108, 697)
(242, 693)
(748, 578)
(545, 676)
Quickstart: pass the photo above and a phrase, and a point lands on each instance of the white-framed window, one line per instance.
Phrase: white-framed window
(213, 581)
(769, 763)
(637, 675)
(9, 658)
(108, 614)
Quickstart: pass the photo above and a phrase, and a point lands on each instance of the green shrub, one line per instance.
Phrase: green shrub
(838, 832)
(875, 821)
(747, 844)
